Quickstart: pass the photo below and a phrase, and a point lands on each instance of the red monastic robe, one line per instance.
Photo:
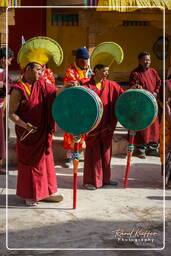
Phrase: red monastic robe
(2, 131)
(36, 174)
(99, 142)
(2, 113)
(167, 128)
(151, 82)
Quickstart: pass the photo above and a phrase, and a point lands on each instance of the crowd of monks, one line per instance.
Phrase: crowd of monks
(30, 109)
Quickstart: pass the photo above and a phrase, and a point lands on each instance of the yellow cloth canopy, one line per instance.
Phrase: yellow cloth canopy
(124, 5)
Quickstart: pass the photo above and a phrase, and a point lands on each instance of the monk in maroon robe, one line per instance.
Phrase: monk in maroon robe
(30, 109)
(2, 130)
(98, 150)
(3, 58)
(146, 141)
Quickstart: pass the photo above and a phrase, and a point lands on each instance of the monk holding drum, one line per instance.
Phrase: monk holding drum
(98, 150)
(93, 115)
(97, 171)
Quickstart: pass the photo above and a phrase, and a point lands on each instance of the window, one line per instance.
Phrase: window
(135, 23)
(65, 19)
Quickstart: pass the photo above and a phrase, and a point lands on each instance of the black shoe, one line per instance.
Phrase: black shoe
(2, 172)
(69, 163)
(168, 185)
(89, 187)
(152, 152)
(139, 154)
(111, 183)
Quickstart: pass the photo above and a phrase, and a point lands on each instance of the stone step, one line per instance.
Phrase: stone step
(119, 145)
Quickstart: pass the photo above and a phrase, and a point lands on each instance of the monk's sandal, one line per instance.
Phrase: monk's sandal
(31, 202)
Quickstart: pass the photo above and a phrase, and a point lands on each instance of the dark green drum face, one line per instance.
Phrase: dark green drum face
(76, 110)
(136, 109)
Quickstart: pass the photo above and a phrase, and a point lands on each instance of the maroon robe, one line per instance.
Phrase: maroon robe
(2, 130)
(36, 174)
(150, 81)
(98, 150)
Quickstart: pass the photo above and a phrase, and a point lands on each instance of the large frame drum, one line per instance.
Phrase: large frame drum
(77, 110)
(136, 109)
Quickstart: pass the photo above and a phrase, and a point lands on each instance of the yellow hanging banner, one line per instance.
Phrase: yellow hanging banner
(6, 3)
(131, 5)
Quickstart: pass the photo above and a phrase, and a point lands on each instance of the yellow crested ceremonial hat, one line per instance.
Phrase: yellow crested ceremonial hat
(106, 53)
(40, 49)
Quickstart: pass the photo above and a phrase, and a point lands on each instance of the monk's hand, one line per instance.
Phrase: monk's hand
(136, 86)
(68, 85)
(71, 84)
(31, 128)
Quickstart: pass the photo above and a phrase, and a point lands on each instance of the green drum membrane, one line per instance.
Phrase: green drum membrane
(75, 110)
(136, 109)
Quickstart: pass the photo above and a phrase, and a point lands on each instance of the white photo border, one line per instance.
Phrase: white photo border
(7, 108)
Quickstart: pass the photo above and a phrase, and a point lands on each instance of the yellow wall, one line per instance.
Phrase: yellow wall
(107, 26)
(96, 27)
(70, 38)
(133, 40)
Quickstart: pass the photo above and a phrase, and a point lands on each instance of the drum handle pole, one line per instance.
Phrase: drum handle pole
(129, 155)
(76, 140)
